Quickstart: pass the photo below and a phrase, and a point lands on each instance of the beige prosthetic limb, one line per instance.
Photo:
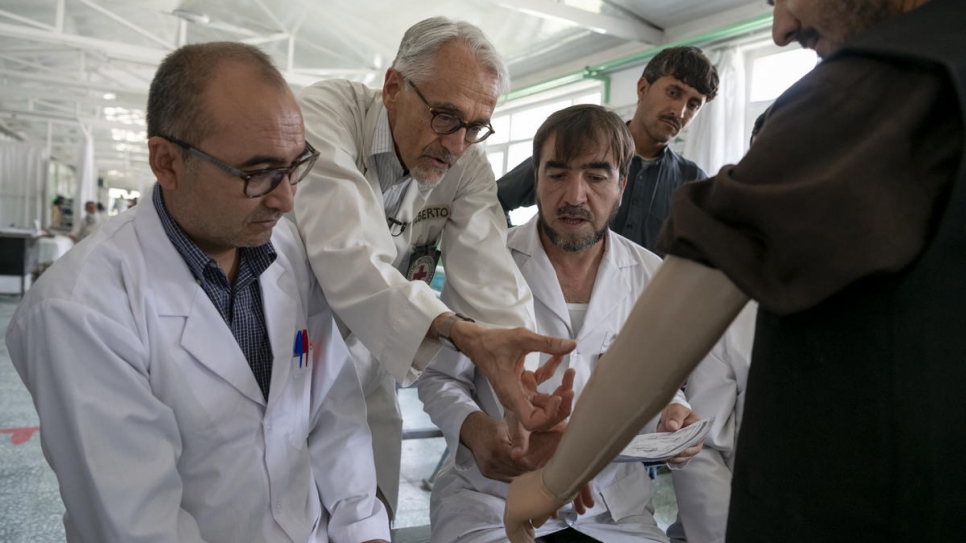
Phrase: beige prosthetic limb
(674, 324)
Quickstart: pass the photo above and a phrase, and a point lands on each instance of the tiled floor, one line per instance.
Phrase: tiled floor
(419, 459)
(30, 505)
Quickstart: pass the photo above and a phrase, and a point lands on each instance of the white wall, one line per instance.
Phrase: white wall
(623, 90)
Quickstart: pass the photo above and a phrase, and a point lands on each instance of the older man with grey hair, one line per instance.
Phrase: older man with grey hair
(400, 183)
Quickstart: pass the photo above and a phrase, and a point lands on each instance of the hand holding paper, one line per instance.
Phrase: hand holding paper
(663, 446)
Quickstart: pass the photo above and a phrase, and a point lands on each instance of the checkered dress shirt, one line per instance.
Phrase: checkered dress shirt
(239, 304)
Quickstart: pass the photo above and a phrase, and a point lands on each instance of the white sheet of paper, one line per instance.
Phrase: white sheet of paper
(662, 446)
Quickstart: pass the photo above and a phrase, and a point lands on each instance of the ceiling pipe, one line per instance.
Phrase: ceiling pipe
(191, 16)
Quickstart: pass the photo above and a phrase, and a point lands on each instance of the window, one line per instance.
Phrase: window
(772, 71)
(120, 199)
(773, 74)
(516, 122)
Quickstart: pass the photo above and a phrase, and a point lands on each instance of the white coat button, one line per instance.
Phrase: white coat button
(268, 427)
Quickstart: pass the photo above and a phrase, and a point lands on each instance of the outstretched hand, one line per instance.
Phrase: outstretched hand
(533, 449)
(503, 449)
(499, 354)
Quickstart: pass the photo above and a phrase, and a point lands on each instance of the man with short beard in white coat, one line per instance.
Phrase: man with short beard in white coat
(585, 279)
(190, 380)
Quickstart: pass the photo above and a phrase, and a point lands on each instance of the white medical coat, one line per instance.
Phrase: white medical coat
(465, 505)
(150, 414)
(716, 388)
(360, 265)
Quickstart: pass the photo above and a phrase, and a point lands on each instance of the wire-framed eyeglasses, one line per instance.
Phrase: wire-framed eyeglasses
(258, 183)
(446, 123)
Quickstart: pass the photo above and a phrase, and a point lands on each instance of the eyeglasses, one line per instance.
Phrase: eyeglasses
(446, 123)
(258, 183)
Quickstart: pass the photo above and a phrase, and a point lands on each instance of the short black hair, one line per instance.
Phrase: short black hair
(687, 64)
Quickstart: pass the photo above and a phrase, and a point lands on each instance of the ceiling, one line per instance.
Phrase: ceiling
(71, 66)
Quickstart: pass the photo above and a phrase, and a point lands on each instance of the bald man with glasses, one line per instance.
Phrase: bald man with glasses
(401, 182)
(190, 379)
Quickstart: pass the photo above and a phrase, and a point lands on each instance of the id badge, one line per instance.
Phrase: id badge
(422, 263)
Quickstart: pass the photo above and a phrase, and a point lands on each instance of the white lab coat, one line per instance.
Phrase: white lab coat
(150, 414)
(465, 505)
(716, 388)
(360, 265)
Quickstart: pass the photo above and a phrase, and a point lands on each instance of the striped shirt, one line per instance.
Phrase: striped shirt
(240, 305)
(393, 178)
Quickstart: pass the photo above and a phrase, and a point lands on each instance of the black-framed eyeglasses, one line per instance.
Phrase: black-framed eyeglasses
(258, 183)
(446, 123)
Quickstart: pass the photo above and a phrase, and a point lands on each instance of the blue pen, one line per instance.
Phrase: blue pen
(298, 346)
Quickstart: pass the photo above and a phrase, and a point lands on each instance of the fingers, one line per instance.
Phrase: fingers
(584, 499)
(532, 409)
(691, 419)
(519, 438)
(547, 370)
(579, 505)
(687, 454)
(542, 412)
(557, 406)
(673, 417)
(566, 394)
(546, 344)
(588, 496)
(568, 378)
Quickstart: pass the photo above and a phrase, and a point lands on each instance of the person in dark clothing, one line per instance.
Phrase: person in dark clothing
(676, 83)
(845, 222)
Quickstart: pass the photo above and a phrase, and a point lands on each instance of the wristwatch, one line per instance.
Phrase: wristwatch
(447, 327)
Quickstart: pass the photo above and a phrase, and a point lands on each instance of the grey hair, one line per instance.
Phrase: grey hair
(416, 59)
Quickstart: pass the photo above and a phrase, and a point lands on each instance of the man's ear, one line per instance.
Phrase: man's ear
(642, 86)
(166, 162)
(391, 88)
(623, 183)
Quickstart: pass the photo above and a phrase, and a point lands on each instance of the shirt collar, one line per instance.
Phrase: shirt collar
(660, 156)
(382, 139)
(382, 155)
(258, 258)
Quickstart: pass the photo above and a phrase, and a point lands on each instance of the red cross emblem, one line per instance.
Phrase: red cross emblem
(421, 273)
